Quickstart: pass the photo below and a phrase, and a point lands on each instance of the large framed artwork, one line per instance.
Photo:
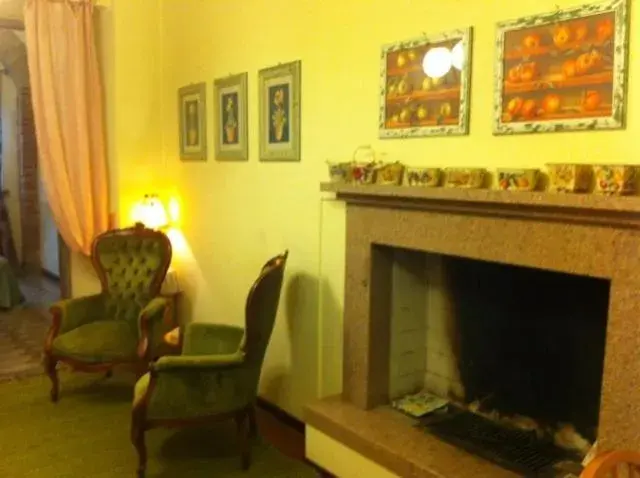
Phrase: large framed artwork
(563, 71)
(424, 86)
(280, 112)
(230, 115)
(192, 109)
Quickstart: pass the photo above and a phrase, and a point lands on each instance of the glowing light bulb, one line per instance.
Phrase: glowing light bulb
(457, 56)
(437, 62)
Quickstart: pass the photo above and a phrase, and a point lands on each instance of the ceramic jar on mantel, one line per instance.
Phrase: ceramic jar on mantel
(422, 177)
(518, 179)
(468, 178)
(615, 179)
(569, 178)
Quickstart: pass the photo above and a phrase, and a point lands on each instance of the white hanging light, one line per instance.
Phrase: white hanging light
(437, 62)
(457, 56)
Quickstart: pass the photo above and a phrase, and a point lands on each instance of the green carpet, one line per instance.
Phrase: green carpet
(86, 434)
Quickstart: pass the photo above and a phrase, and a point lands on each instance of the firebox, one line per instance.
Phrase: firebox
(521, 347)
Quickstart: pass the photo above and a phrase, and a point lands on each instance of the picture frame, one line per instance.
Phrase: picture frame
(279, 122)
(414, 104)
(563, 71)
(192, 111)
(231, 118)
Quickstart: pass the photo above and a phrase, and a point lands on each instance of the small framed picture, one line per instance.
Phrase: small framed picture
(563, 71)
(193, 127)
(280, 112)
(230, 118)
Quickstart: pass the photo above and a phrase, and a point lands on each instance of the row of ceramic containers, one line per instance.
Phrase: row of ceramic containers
(601, 178)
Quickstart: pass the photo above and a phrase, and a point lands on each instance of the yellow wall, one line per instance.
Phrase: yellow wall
(236, 215)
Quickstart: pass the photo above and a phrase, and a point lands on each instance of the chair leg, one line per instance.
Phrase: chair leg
(253, 424)
(50, 368)
(137, 438)
(245, 446)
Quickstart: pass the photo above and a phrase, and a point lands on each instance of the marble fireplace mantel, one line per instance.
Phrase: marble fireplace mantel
(590, 235)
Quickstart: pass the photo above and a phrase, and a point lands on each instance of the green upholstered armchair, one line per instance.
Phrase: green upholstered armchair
(124, 322)
(216, 376)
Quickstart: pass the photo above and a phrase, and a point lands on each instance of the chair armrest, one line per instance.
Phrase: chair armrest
(149, 316)
(198, 362)
(207, 339)
(72, 313)
(155, 308)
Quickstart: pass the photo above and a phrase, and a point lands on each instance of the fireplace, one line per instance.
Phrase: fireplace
(511, 304)
(514, 340)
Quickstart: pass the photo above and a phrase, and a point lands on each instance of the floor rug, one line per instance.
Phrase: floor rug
(86, 434)
(22, 334)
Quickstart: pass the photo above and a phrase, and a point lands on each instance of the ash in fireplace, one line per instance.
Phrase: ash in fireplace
(563, 435)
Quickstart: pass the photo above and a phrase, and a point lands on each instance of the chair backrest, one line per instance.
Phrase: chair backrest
(261, 310)
(131, 264)
(614, 464)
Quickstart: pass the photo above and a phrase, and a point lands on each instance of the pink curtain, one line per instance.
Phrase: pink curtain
(67, 105)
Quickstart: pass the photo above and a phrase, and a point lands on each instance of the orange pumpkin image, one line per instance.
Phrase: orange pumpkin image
(529, 109)
(569, 68)
(514, 106)
(515, 74)
(562, 36)
(531, 41)
(528, 71)
(581, 31)
(604, 30)
(592, 100)
(551, 103)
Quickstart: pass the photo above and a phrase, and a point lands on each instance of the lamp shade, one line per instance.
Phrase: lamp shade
(151, 212)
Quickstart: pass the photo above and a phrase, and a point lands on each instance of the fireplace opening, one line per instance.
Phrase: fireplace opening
(520, 347)
(531, 342)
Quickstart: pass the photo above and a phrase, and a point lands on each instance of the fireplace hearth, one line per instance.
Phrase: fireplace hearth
(548, 281)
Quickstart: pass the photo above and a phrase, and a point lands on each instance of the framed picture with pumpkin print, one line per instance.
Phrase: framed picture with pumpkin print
(279, 120)
(563, 71)
(230, 118)
(192, 116)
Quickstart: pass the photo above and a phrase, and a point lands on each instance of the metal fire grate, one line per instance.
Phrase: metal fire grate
(517, 450)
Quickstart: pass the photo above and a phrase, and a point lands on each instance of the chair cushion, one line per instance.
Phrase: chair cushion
(141, 388)
(98, 342)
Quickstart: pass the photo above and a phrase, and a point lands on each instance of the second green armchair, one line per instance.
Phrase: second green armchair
(217, 375)
(123, 323)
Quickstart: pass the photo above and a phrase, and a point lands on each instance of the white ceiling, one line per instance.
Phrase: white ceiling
(11, 9)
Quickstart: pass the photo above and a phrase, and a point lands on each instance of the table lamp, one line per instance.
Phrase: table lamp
(151, 213)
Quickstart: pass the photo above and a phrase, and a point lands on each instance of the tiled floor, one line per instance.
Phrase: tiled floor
(23, 329)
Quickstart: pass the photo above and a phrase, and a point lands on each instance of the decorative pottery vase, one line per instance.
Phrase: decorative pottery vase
(423, 177)
(518, 179)
(615, 179)
(467, 178)
(569, 178)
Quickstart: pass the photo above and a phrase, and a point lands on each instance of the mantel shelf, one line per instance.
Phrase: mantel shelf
(590, 208)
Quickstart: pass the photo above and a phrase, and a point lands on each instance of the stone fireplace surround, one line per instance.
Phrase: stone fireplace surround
(588, 235)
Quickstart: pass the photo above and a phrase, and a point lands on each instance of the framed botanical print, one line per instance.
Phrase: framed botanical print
(280, 112)
(192, 110)
(563, 71)
(424, 86)
(230, 118)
